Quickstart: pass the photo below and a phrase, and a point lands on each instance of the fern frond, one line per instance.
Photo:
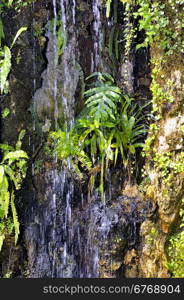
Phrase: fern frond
(2, 237)
(15, 155)
(15, 218)
(5, 197)
(102, 77)
(12, 176)
(102, 102)
(5, 66)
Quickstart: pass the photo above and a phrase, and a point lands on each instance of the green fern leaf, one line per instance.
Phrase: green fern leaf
(1, 174)
(5, 66)
(11, 174)
(15, 218)
(2, 237)
(12, 156)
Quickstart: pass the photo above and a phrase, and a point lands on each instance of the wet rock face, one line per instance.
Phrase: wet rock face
(69, 238)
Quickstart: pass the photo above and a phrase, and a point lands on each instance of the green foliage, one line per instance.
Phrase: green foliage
(167, 163)
(5, 51)
(108, 8)
(5, 113)
(5, 66)
(66, 147)
(5, 59)
(129, 31)
(12, 171)
(176, 250)
(56, 27)
(148, 146)
(110, 126)
(158, 20)
(129, 28)
(16, 4)
(108, 5)
(102, 100)
(2, 36)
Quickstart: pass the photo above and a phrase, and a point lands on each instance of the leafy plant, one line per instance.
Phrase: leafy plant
(176, 250)
(159, 23)
(16, 4)
(102, 100)
(108, 5)
(66, 147)
(110, 126)
(12, 172)
(56, 26)
(5, 59)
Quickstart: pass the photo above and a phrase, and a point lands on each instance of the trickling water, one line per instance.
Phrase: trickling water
(98, 36)
(68, 235)
(56, 110)
(73, 11)
(69, 60)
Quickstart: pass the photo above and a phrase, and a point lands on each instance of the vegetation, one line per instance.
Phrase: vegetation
(12, 172)
(14, 160)
(110, 126)
(56, 27)
(176, 250)
(16, 4)
(5, 58)
(158, 21)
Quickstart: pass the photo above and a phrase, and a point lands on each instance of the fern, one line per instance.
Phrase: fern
(102, 100)
(2, 237)
(12, 172)
(5, 66)
(2, 36)
(5, 58)
(111, 125)
(66, 146)
(108, 8)
(15, 218)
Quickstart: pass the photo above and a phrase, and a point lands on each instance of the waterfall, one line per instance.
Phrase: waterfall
(98, 36)
(56, 111)
(69, 59)
(67, 234)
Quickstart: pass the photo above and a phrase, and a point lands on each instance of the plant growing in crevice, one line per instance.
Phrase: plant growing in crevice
(175, 249)
(17, 5)
(111, 125)
(12, 172)
(5, 58)
(56, 27)
(158, 21)
(66, 147)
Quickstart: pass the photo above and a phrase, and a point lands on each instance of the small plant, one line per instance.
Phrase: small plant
(66, 147)
(56, 27)
(176, 250)
(160, 25)
(12, 172)
(17, 5)
(103, 98)
(5, 59)
(109, 2)
(110, 126)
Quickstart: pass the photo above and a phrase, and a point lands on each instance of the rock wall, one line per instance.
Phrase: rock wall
(164, 163)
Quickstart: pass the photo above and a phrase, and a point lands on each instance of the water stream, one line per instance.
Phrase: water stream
(66, 234)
